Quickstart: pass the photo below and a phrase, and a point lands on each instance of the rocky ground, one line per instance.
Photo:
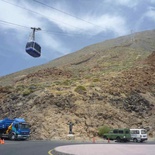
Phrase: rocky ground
(89, 97)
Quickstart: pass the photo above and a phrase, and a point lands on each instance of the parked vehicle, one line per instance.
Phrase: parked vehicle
(118, 135)
(138, 135)
(14, 129)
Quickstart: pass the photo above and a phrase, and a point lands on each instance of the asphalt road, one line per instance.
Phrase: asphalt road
(28, 147)
(41, 147)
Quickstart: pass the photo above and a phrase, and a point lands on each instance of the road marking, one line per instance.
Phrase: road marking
(49, 152)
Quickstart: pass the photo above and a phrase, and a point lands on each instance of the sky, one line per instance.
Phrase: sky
(66, 26)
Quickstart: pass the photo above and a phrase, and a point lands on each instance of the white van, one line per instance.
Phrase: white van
(138, 135)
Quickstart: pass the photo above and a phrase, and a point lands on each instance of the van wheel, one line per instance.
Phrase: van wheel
(104, 137)
(135, 140)
(118, 139)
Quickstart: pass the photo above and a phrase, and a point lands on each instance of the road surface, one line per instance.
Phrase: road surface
(46, 147)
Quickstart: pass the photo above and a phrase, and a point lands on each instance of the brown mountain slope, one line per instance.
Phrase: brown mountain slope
(119, 53)
(110, 83)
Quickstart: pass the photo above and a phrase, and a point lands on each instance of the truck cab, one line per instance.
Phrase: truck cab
(14, 129)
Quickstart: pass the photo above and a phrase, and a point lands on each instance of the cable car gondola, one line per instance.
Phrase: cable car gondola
(33, 48)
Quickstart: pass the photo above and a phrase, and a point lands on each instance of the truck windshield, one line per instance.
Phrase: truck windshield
(23, 126)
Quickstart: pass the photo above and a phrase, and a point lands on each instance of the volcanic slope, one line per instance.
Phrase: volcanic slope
(110, 83)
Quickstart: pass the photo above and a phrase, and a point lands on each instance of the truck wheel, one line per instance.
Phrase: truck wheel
(135, 140)
(118, 139)
(12, 137)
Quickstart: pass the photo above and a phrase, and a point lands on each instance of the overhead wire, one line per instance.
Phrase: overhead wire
(39, 14)
(55, 32)
(66, 13)
(5, 22)
(22, 26)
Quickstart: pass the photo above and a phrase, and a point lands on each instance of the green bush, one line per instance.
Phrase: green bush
(20, 87)
(27, 92)
(96, 80)
(102, 130)
(67, 82)
(80, 89)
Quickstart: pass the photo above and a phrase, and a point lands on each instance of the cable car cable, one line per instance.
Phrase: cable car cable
(5, 22)
(66, 13)
(40, 14)
(44, 31)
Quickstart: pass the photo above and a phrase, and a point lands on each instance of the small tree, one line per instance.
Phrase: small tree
(102, 130)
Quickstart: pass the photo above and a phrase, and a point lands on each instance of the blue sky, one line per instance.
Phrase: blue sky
(67, 26)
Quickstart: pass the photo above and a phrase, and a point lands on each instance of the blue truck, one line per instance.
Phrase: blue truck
(14, 129)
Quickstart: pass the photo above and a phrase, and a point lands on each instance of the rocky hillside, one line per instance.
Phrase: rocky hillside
(110, 83)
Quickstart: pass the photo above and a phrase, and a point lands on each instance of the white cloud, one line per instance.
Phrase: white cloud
(153, 1)
(96, 24)
(13, 14)
(106, 16)
(66, 23)
(17, 15)
(150, 14)
(127, 3)
(51, 42)
(114, 23)
(52, 20)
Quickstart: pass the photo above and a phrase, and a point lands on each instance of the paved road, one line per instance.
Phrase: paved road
(44, 147)
(28, 147)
